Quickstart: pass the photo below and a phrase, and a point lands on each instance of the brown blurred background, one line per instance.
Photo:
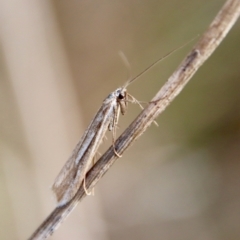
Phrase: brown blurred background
(59, 60)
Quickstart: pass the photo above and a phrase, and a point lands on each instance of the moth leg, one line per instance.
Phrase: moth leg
(85, 188)
(114, 127)
(113, 141)
(134, 100)
(91, 192)
(117, 154)
(93, 162)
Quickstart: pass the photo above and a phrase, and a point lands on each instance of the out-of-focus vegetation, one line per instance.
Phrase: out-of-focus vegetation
(59, 60)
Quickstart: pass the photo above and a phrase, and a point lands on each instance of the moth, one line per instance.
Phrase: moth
(74, 171)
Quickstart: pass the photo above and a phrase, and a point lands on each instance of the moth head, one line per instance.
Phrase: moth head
(121, 94)
(122, 99)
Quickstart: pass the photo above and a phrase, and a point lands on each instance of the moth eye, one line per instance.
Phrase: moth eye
(121, 96)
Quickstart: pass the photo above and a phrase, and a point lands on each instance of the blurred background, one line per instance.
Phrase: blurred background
(59, 60)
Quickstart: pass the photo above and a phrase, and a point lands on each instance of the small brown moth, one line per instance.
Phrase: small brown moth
(74, 171)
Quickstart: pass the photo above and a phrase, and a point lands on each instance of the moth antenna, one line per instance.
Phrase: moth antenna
(156, 62)
(127, 64)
